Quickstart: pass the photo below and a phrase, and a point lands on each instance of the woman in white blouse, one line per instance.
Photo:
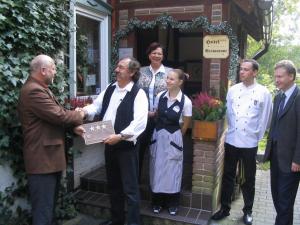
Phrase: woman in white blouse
(174, 111)
(152, 80)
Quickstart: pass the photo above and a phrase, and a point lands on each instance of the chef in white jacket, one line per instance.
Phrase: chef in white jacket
(249, 108)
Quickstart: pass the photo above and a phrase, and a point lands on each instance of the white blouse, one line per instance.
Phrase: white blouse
(187, 107)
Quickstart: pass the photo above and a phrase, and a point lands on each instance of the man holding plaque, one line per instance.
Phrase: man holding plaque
(126, 106)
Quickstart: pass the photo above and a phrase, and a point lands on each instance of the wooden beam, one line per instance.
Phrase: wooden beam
(245, 5)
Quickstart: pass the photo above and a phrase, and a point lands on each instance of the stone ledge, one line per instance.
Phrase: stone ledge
(97, 204)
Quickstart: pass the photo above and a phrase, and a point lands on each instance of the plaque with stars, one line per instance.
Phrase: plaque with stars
(97, 131)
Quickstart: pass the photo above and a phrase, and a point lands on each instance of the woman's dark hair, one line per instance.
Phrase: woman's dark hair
(153, 46)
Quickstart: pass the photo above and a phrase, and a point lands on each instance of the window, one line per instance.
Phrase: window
(88, 60)
(89, 48)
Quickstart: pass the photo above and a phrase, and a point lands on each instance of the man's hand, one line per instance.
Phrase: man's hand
(113, 139)
(295, 167)
(79, 130)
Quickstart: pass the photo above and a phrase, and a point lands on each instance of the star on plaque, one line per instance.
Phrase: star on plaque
(97, 131)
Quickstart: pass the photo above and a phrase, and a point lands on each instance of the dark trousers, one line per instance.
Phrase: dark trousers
(43, 190)
(165, 200)
(144, 140)
(248, 158)
(122, 177)
(284, 188)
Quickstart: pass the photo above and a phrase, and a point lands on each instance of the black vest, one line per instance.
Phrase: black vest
(168, 118)
(125, 110)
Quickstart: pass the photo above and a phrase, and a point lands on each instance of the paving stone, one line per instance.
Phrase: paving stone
(263, 210)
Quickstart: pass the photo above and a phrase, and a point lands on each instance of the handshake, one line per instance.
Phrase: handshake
(79, 130)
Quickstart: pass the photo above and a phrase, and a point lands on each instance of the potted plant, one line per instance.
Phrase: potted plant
(208, 112)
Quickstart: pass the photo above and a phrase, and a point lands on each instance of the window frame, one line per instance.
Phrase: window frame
(102, 14)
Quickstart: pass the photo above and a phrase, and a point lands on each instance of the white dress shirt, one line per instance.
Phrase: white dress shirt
(151, 86)
(139, 122)
(187, 107)
(288, 94)
(249, 111)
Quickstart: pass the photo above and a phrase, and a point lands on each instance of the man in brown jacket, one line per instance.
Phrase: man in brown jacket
(43, 122)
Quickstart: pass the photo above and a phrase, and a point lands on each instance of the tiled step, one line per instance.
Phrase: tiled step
(97, 204)
(95, 181)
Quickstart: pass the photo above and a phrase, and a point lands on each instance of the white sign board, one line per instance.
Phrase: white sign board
(216, 46)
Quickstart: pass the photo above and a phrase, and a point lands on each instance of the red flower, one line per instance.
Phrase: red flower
(207, 107)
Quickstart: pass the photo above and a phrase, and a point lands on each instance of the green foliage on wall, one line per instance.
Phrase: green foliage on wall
(27, 28)
(166, 20)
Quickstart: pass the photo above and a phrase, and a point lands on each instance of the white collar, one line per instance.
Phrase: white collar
(250, 86)
(160, 69)
(128, 87)
(178, 97)
(289, 91)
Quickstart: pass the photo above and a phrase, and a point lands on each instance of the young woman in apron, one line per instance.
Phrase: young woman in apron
(174, 111)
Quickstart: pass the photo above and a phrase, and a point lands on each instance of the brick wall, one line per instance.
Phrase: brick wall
(215, 64)
(169, 10)
(123, 21)
(216, 13)
(215, 76)
(207, 171)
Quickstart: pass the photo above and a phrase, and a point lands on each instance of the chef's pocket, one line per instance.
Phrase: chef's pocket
(152, 147)
(175, 152)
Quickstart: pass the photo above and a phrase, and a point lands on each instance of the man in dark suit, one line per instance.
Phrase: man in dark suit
(43, 122)
(283, 146)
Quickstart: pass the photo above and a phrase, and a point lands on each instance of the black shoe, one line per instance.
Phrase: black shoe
(221, 214)
(107, 222)
(173, 211)
(156, 209)
(248, 218)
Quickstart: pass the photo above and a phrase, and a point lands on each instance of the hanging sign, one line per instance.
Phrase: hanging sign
(216, 46)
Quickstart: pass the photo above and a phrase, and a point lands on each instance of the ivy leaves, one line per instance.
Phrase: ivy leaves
(166, 20)
(37, 24)
(27, 28)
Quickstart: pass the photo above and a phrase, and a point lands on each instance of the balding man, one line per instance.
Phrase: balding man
(126, 105)
(43, 121)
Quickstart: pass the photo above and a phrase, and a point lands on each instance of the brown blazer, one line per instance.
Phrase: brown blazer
(43, 122)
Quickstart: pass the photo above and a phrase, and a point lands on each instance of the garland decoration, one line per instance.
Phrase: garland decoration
(166, 20)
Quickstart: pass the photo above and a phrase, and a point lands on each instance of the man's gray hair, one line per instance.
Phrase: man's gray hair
(134, 67)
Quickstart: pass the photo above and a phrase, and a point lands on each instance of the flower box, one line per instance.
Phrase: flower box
(206, 130)
(208, 114)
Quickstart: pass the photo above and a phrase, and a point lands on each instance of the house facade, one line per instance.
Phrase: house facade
(205, 38)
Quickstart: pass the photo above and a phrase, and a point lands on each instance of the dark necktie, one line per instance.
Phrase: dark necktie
(281, 105)
(275, 131)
